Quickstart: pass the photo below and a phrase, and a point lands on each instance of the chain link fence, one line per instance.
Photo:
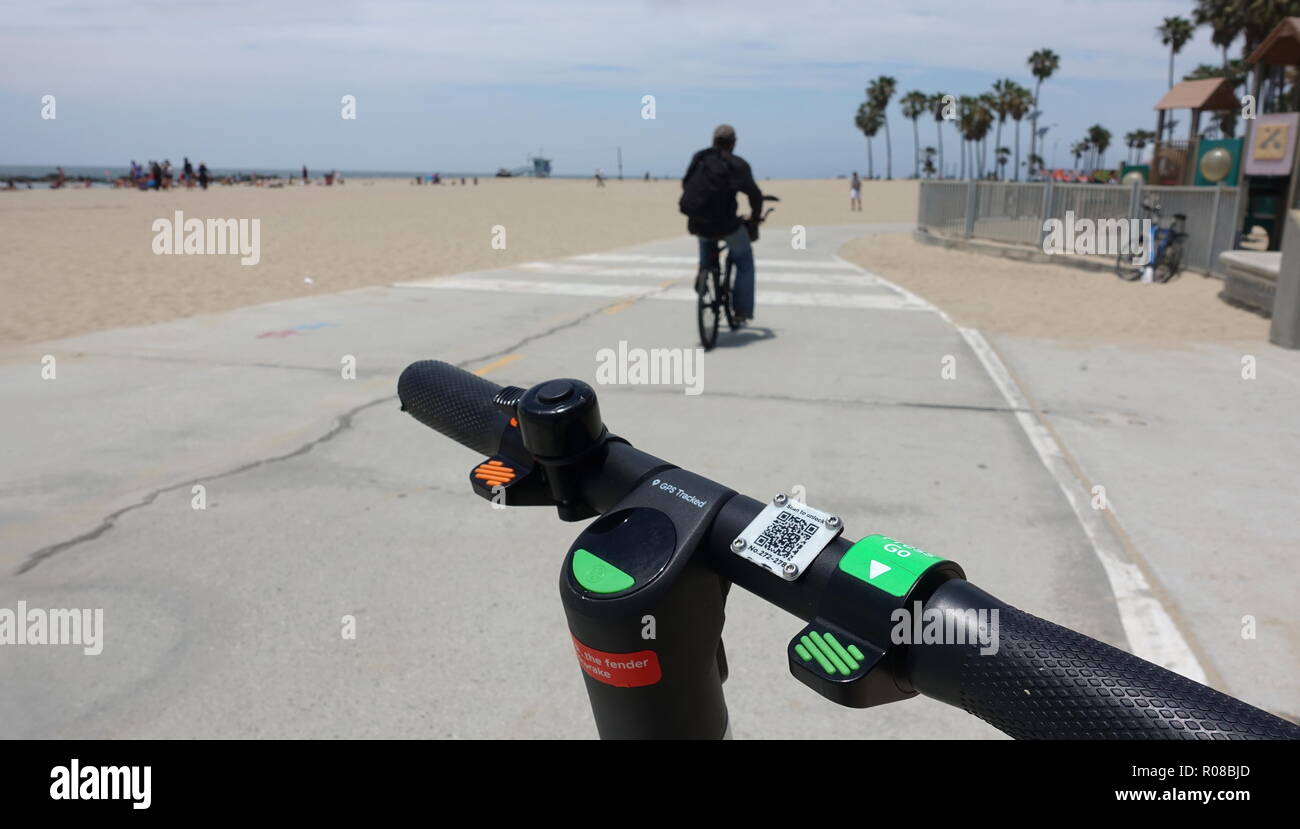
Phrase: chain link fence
(1015, 213)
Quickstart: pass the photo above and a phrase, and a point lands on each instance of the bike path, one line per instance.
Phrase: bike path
(1194, 449)
(323, 501)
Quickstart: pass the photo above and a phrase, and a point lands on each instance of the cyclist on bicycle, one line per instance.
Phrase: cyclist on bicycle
(709, 190)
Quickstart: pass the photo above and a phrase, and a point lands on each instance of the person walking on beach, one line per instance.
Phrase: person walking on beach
(709, 189)
(304, 174)
(188, 172)
(855, 193)
(600, 177)
(155, 175)
(203, 175)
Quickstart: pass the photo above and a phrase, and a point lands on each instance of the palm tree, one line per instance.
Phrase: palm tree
(880, 93)
(1042, 64)
(1225, 19)
(1003, 92)
(1078, 149)
(1002, 154)
(1099, 137)
(983, 123)
(1144, 137)
(1130, 141)
(1252, 20)
(974, 119)
(915, 104)
(868, 119)
(1174, 33)
(965, 117)
(1020, 103)
(936, 109)
(929, 162)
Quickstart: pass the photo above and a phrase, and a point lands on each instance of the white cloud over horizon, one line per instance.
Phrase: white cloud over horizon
(562, 62)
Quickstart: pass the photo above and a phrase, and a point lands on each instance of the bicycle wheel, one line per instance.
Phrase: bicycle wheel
(1171, 264)
(707, 306)
(726, 295)
(1124, 268)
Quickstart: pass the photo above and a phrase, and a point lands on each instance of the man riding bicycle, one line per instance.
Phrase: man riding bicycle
(709, 190)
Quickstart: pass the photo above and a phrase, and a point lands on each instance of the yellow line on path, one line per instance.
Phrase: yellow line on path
(496, 364)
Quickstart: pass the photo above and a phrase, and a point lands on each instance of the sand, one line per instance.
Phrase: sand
(74, 261)
(1057, 302)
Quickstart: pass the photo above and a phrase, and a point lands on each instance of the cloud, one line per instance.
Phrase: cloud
(474, 80)
(756, 43)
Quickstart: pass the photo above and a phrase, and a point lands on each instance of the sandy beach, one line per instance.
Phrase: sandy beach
(1057, 302)
(74, 261)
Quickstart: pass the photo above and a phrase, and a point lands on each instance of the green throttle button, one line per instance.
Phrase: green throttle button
(597, 575)
(886, 563)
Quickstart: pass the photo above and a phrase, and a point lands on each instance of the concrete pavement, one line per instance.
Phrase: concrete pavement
(1196, 450)
(324, 501)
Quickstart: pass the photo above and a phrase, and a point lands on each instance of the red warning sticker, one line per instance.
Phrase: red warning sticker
(625, 670)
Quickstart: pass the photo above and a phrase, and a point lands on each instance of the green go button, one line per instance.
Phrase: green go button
(597, 575)
(886, 563)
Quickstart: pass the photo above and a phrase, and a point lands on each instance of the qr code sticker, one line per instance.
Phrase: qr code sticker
(785, 536)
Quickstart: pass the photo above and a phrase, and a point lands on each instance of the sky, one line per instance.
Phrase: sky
(473, 85)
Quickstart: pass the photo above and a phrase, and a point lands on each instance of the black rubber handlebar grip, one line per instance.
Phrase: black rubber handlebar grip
(1049, 682)
(454, 402)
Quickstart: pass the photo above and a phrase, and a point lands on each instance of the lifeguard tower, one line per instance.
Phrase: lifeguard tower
(538, 167)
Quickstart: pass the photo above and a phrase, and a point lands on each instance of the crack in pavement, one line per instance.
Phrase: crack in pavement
(343, 422)
(162, 358)
(675, 391)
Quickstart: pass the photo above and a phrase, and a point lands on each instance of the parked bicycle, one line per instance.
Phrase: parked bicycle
(1164, 247)
(713, 284)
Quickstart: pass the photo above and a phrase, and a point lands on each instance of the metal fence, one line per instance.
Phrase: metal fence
(1016, 213)
(1008, 212)
(943, 206)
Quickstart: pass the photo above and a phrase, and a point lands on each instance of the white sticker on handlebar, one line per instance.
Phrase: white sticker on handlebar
(786, 536)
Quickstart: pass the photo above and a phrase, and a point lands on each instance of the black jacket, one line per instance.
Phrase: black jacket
(724, 221)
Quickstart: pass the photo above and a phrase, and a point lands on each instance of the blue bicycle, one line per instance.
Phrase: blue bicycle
(1165, 250)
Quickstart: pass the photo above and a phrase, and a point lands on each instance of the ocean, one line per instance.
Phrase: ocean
(104, 175)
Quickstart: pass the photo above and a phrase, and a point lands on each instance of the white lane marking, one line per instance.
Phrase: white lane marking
(532, 286)
(814, 264)
(808, 299)
(852, 280)
(814, 299)
(1151, 631)
(900, 289)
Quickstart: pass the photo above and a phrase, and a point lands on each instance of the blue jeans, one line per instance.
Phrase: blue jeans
(742, 291)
